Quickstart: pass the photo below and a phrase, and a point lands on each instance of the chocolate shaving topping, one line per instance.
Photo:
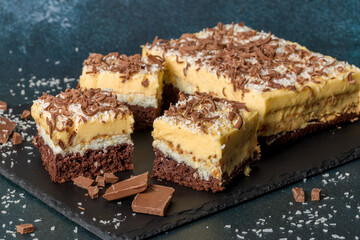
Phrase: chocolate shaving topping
(201, 109)
(126, 65)
(246, 56)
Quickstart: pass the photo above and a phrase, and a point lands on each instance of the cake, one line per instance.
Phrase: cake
(136, 81)
(295, 91)
(205, 142)
(83, 133)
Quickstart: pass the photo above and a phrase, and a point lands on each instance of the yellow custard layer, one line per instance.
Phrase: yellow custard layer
(134, 86)
(212, 153)
(280, 110)
(101, 125)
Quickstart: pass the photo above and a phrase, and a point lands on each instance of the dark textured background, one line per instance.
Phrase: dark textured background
(39, 42)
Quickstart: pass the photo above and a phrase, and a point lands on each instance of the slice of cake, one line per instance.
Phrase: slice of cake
(136, 81)
(204, 142)
(83, 133)
(295, 91)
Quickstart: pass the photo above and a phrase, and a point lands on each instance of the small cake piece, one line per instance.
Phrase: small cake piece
(296, 91)
(25, 228)
(128, 187)
(6, 128)
(315, 194)
(83, 133)
(204, 142)
(136, 81)
(154, 200)
(298, 194)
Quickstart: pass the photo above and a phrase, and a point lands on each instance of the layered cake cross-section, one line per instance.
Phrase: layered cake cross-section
(137, 82)
(83, 133)
(295, 90)
(204, 142)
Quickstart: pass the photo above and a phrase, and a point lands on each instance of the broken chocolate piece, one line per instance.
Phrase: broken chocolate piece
(83, 182)
(6, 128)
(299, 194)
(3, 105)
(154, 200)
(25, 115)
(128, 187)
(315, 194)
(25, 228)
(93, 192)
(17, 138)
(100, 181)
(110, 178)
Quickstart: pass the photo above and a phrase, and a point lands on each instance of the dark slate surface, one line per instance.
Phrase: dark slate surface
(277, 168)
(42, 42)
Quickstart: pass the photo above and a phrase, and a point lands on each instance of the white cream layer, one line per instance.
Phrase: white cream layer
(96, 144)
(138, 99)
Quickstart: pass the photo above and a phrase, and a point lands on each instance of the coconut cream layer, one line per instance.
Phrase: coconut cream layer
(101, 142)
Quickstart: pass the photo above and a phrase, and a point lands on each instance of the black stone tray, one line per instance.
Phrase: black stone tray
(277, 168)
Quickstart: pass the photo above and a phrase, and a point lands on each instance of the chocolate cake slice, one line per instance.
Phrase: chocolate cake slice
(83, 133)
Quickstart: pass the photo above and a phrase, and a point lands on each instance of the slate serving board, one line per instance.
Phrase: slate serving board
(277, 168)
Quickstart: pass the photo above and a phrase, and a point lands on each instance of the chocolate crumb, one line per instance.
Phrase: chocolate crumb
(315, 194)
(25, 115)
(82, 208)
(83, 182)
(145, 83)
(299, 194)
(100, 181)
(25, 228)
(93, 192)
(17, 138)
(110, 178)
(3, 105)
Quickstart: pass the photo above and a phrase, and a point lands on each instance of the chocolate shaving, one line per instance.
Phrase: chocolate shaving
(25, 115)
(350, 79)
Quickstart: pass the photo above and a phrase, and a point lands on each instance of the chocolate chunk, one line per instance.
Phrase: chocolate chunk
(299, 194)
(110, 178)
(93, 192)
(145, 83)
(83, 182)
(25, 228)
(128, 187)
(315, 194)
(17, 138)
(100, 181)
(6, 128)
(25, 115)
(3, 106)
(154, 200)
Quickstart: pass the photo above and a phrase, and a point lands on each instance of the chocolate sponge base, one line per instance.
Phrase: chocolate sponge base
(143, 116)
(169, 169)
(91, 163)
